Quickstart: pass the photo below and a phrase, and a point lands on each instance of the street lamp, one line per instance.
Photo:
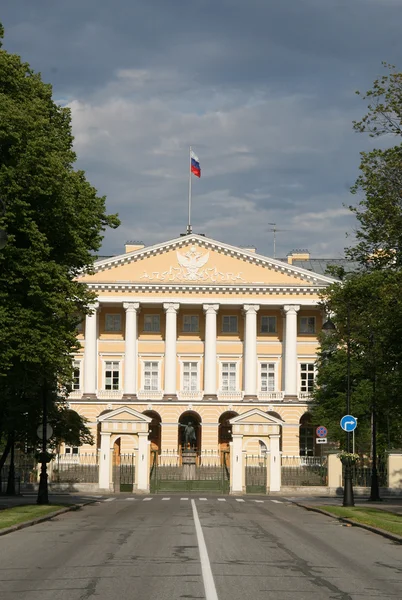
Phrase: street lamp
(329, 328)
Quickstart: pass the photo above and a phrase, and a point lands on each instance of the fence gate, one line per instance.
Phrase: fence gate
(256, 474)
(209, 474)
(123, 472)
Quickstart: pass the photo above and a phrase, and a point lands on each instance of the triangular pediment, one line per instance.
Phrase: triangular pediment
(255, 416)
(122, 414)
(196, 260)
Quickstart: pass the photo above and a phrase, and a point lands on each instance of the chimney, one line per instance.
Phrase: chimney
(133, 245)
(298, 255)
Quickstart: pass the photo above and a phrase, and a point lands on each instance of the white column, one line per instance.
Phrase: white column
(104, 461)
(210, 311)
(291, 311)
(250, 351)
(170, 388)
(237, 465)
(142, 463)
(90, 352)
(130, 358)
(275, 463)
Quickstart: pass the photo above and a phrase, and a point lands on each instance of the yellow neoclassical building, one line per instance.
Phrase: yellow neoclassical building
(194, 331)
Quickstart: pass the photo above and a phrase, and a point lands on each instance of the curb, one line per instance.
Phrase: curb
(25, 524)
(391, 536)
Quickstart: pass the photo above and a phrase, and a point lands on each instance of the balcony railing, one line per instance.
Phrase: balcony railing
(304, 395)
(270, 395)
(150, 394)
(226, 395)
(110, 394)
(76, 394)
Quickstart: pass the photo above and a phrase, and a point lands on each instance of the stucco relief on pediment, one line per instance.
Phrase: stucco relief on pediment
(193, 266)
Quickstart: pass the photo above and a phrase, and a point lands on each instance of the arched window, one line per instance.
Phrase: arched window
(306, 436)
(155, 431)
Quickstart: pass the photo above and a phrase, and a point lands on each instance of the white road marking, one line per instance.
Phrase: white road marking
(276, 501)
(146, 499)
(165, 498)
(201, 499)
(183, 498)
(131, 499)
(221, 499)
(239, 500)
(259, 501)
(109, 499)
(207, 577)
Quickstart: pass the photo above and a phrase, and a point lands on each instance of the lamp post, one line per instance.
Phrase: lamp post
(43, 494)
(329, 328)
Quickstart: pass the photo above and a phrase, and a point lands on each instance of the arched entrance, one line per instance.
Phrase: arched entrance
(225, 430)
(155, 430)
(277, 416)
(307, 446)
(189, 417)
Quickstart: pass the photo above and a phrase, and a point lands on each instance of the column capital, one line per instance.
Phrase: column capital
(210, 309)
(291, 308)
(170, 307)
(131, 306)
(250, 309)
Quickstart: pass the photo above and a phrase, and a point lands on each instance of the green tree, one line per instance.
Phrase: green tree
(55, 222)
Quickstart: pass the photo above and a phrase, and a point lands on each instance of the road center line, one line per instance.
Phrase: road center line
(208, 578)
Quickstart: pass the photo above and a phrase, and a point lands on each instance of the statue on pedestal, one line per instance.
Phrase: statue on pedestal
(190, 437)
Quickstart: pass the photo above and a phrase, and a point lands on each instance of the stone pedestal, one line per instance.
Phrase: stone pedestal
(189, 460)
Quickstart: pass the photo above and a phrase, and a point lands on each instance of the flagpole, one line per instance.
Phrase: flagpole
(189, 229)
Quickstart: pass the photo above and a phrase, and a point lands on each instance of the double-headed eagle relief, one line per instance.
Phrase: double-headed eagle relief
(193, 269)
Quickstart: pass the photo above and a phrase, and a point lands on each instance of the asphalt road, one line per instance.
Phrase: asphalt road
(169, 548)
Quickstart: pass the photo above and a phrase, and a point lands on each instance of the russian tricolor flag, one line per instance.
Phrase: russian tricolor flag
(195, 164)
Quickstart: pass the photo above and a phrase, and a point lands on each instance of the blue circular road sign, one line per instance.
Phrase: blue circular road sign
(348, 423)
(321, 431)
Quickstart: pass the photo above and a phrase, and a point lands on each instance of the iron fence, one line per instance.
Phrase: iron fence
(362, 472)
(80, 468)
(304, 471)
(256, 474)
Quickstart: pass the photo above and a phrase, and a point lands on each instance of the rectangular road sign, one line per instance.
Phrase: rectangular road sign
(321, 440)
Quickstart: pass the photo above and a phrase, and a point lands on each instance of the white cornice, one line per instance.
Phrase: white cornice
(237, 301)
(251, 257)
(237, 290)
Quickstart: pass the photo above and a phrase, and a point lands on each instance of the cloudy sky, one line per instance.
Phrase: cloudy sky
(262, 89)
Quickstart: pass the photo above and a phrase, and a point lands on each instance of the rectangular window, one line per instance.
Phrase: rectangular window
(190, 323)
(228, 376)
(229, 324)
(307, 325)
(76, 375)
(71, 450)
(151, 376)
(152, 323)
(268, 324)
(112, 322)
(112, 375)
(190, 376)
(307, 375)
(306, 441)
(267, 377)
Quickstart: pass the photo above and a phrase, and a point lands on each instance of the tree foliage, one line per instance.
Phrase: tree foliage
(55, 222)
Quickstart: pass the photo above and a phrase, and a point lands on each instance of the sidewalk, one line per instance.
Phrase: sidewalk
(31, 497)
(390, 503)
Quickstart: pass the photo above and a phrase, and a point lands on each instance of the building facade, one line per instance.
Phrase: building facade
(197, 331)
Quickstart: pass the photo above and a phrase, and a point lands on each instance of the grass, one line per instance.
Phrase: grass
(381, 519)
(21, 514)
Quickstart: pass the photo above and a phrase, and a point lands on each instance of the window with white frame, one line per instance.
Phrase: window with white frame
(268, 324)
(190, 376)
(72, 450)
(112, 375)
(229, 376)
(267, 371)
(77, 375)
(151, 375)
(307, 325)
(152, 323)
(191, 323)
(229, 324)
(112, 322)
(307, 376)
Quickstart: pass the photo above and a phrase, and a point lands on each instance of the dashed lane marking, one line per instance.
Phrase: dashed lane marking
(147, 499)
(276, 501)
(260, 501)
(221, 499)
(165, 498)
(110, 499)
(203, 498)
(183, 498)
(239, 500)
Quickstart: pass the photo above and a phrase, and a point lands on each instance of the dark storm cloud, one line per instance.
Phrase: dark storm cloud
(263, 89)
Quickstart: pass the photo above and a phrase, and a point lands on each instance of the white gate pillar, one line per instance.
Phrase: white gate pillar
(142, 463)
(274, 463)
(236, 464)
(104, 462)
